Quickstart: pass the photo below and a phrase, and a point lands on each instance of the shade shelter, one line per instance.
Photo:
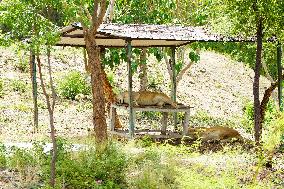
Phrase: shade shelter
(142, 36)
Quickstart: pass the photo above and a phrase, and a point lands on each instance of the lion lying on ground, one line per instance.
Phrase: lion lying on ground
(213, 133)
(146, 98)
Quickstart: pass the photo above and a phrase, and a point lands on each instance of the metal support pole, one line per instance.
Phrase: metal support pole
(279, 55)
(131, 113)
(174, 83)
(34, 86)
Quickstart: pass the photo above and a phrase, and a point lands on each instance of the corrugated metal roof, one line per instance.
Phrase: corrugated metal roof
(141, 35)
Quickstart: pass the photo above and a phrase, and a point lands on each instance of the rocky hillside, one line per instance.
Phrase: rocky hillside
(216, 85)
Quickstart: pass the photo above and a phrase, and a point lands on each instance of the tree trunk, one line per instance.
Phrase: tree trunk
(257, 117)
(99, 119)
(50, 107)
(34, 86)
(143, 71)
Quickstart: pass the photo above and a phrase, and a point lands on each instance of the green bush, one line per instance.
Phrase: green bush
(23, 64)
(248, 115)
(203, 119)
(21, 159)
(152, 170)
(19, 86)
(1, 88)
(73, 84)
(3, 161)
(87, 168)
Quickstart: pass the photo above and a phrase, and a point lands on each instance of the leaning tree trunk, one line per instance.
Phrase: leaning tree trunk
(257, 118)
(99, 119)
(265, 100)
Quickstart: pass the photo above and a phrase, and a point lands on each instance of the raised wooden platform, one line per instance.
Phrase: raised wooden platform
(163, 132)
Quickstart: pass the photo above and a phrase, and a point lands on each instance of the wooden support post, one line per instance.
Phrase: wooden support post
(185, 123)
(34, 86)
(131, 112)
(164, 123)
(174, 83)
(279, 56)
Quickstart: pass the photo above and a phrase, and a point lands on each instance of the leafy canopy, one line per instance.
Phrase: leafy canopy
(240, 17)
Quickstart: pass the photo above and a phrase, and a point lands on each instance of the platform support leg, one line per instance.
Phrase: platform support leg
(185, 123)
(164, 123)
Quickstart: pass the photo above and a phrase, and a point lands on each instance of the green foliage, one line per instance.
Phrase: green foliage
(3, 160)
(72, 84)
(113, 57)
(19, 86)
(1, 88)
(248, 115)
(151, 115)
(240, 17)
(22, 19)
(87, 168)
(139, 11)
(193, 56)
(21, 159)
(145, 141)
(202, 119)
(245, 52)
(151, 170)
(274, 137)
(23, 64)
(178, 66)
(155, 81)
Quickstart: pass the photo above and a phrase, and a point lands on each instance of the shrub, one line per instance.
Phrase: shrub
(152, 170)
(19, 86)
(3, 161)
(248, 115)
(23, 64)
(87, 168)
(21, 159)
(73, 84)
(1, 88)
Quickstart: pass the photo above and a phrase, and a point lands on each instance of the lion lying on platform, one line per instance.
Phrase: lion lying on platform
(213, 133)
(146, 98)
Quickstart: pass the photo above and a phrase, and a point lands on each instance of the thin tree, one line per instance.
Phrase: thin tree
(50, 101)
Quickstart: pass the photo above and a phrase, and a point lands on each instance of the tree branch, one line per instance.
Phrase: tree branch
(41, 81)
(167, 63)
(265, 98)
(183, 71)
(101, 13)
(95, 15)
(51, 80)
